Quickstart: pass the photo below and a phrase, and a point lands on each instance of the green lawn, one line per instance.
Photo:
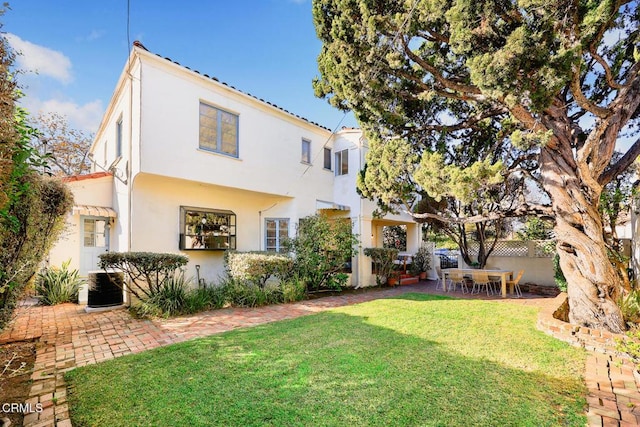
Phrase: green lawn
(414, 360)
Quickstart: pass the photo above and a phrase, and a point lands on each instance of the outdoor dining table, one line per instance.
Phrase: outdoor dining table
(492, 273)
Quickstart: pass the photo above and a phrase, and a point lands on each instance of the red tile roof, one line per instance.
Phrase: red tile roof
(94, 175)
(141, 46)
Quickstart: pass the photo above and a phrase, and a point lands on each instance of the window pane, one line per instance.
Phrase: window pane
(306, 151)
(327, 158)
(100, 239)
(89, 240)
(344, 165)
(89, 226)
(229, 133)
(208, 127)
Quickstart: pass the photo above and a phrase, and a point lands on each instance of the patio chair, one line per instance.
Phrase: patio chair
(439, 283)
(514, 285)
(457, 278)
(480, 280)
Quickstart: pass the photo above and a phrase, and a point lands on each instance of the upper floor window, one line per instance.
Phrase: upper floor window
(306, 151)
(218, 130)
(342, 162)
(119, 138)
(277, 230)
(327, 158)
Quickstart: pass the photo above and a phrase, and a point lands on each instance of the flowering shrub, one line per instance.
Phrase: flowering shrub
(257, 267)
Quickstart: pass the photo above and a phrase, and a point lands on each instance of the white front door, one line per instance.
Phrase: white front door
(94, 240)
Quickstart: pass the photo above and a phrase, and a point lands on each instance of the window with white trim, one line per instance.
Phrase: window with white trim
(276, 231)
(306, 152)
(342, 162)
(218, 130)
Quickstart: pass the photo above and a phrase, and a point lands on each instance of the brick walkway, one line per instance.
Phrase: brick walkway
(67, 337)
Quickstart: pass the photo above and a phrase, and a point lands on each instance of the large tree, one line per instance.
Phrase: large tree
(65, 148)
(559, 78)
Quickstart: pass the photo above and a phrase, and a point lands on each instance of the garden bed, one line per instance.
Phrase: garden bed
(16, 365)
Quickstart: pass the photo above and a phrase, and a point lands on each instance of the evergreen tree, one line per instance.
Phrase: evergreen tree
(557, 82)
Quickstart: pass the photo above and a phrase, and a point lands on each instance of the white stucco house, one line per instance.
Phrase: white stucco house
(184, 163)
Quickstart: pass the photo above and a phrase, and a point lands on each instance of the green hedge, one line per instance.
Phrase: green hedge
(146, 271)
(37, 219)
(257, 267)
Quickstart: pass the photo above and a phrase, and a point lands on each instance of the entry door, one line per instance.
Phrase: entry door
(94, 240)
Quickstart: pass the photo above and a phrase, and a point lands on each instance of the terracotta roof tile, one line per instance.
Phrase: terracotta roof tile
(140, 45)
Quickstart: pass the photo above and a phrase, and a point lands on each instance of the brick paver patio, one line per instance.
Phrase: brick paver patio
(67, 337)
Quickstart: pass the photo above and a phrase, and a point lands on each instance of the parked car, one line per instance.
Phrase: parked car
(448, 258)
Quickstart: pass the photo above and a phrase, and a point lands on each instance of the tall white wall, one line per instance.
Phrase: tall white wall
(93, 192)
(269, 145)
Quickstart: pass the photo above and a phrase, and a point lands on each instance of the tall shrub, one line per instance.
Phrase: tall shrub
(37, 218)
(257, 267)
(384, 259)
(147, 272)
(322, 248)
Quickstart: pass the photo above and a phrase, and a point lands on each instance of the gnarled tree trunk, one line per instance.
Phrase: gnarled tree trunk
(593, 283)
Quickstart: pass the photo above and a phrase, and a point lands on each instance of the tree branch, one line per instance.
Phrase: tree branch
(471, 91)
(622, 164)
(607, 70)
(583, 101)
(542, 211)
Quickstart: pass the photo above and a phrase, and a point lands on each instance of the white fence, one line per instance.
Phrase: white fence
(534, 257)
(519, 248)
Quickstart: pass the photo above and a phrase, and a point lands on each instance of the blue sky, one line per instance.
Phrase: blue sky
(73, 51)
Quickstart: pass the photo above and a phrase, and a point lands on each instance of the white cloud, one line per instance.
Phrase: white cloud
(83, 117)
(40, 59)
(93, 35)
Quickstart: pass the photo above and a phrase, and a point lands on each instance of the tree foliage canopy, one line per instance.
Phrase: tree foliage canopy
(65, 148)
(478, 97)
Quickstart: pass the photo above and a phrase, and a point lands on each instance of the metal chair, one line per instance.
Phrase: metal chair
(440, 284)
(456, 278)
(481, 279)
(514, 285)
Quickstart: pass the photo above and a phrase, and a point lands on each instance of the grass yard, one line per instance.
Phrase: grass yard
(413, 360)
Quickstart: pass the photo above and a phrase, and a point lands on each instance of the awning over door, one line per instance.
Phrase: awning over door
(89, 210)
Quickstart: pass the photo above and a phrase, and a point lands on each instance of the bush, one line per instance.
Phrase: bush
(247, 294)
(257, 267)
(421, 261)
(205, 298)
(630, 307)
(384, 259)
(322, 248)
(58, 285)
(293, 290)
(147, 272)
(172, 296)
(33, 223)
(631, 345)
(561, 281)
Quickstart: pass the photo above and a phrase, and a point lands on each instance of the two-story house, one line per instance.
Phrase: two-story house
(185, 163)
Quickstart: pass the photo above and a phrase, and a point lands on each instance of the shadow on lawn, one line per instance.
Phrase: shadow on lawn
(333, 368)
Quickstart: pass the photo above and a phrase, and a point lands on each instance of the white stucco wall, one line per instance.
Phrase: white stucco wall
(93, 192)
(162, 167)
(156, 217)
(269, 140)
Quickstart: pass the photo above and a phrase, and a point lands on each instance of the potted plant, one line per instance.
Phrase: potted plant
(421, 262)
(383, 259)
